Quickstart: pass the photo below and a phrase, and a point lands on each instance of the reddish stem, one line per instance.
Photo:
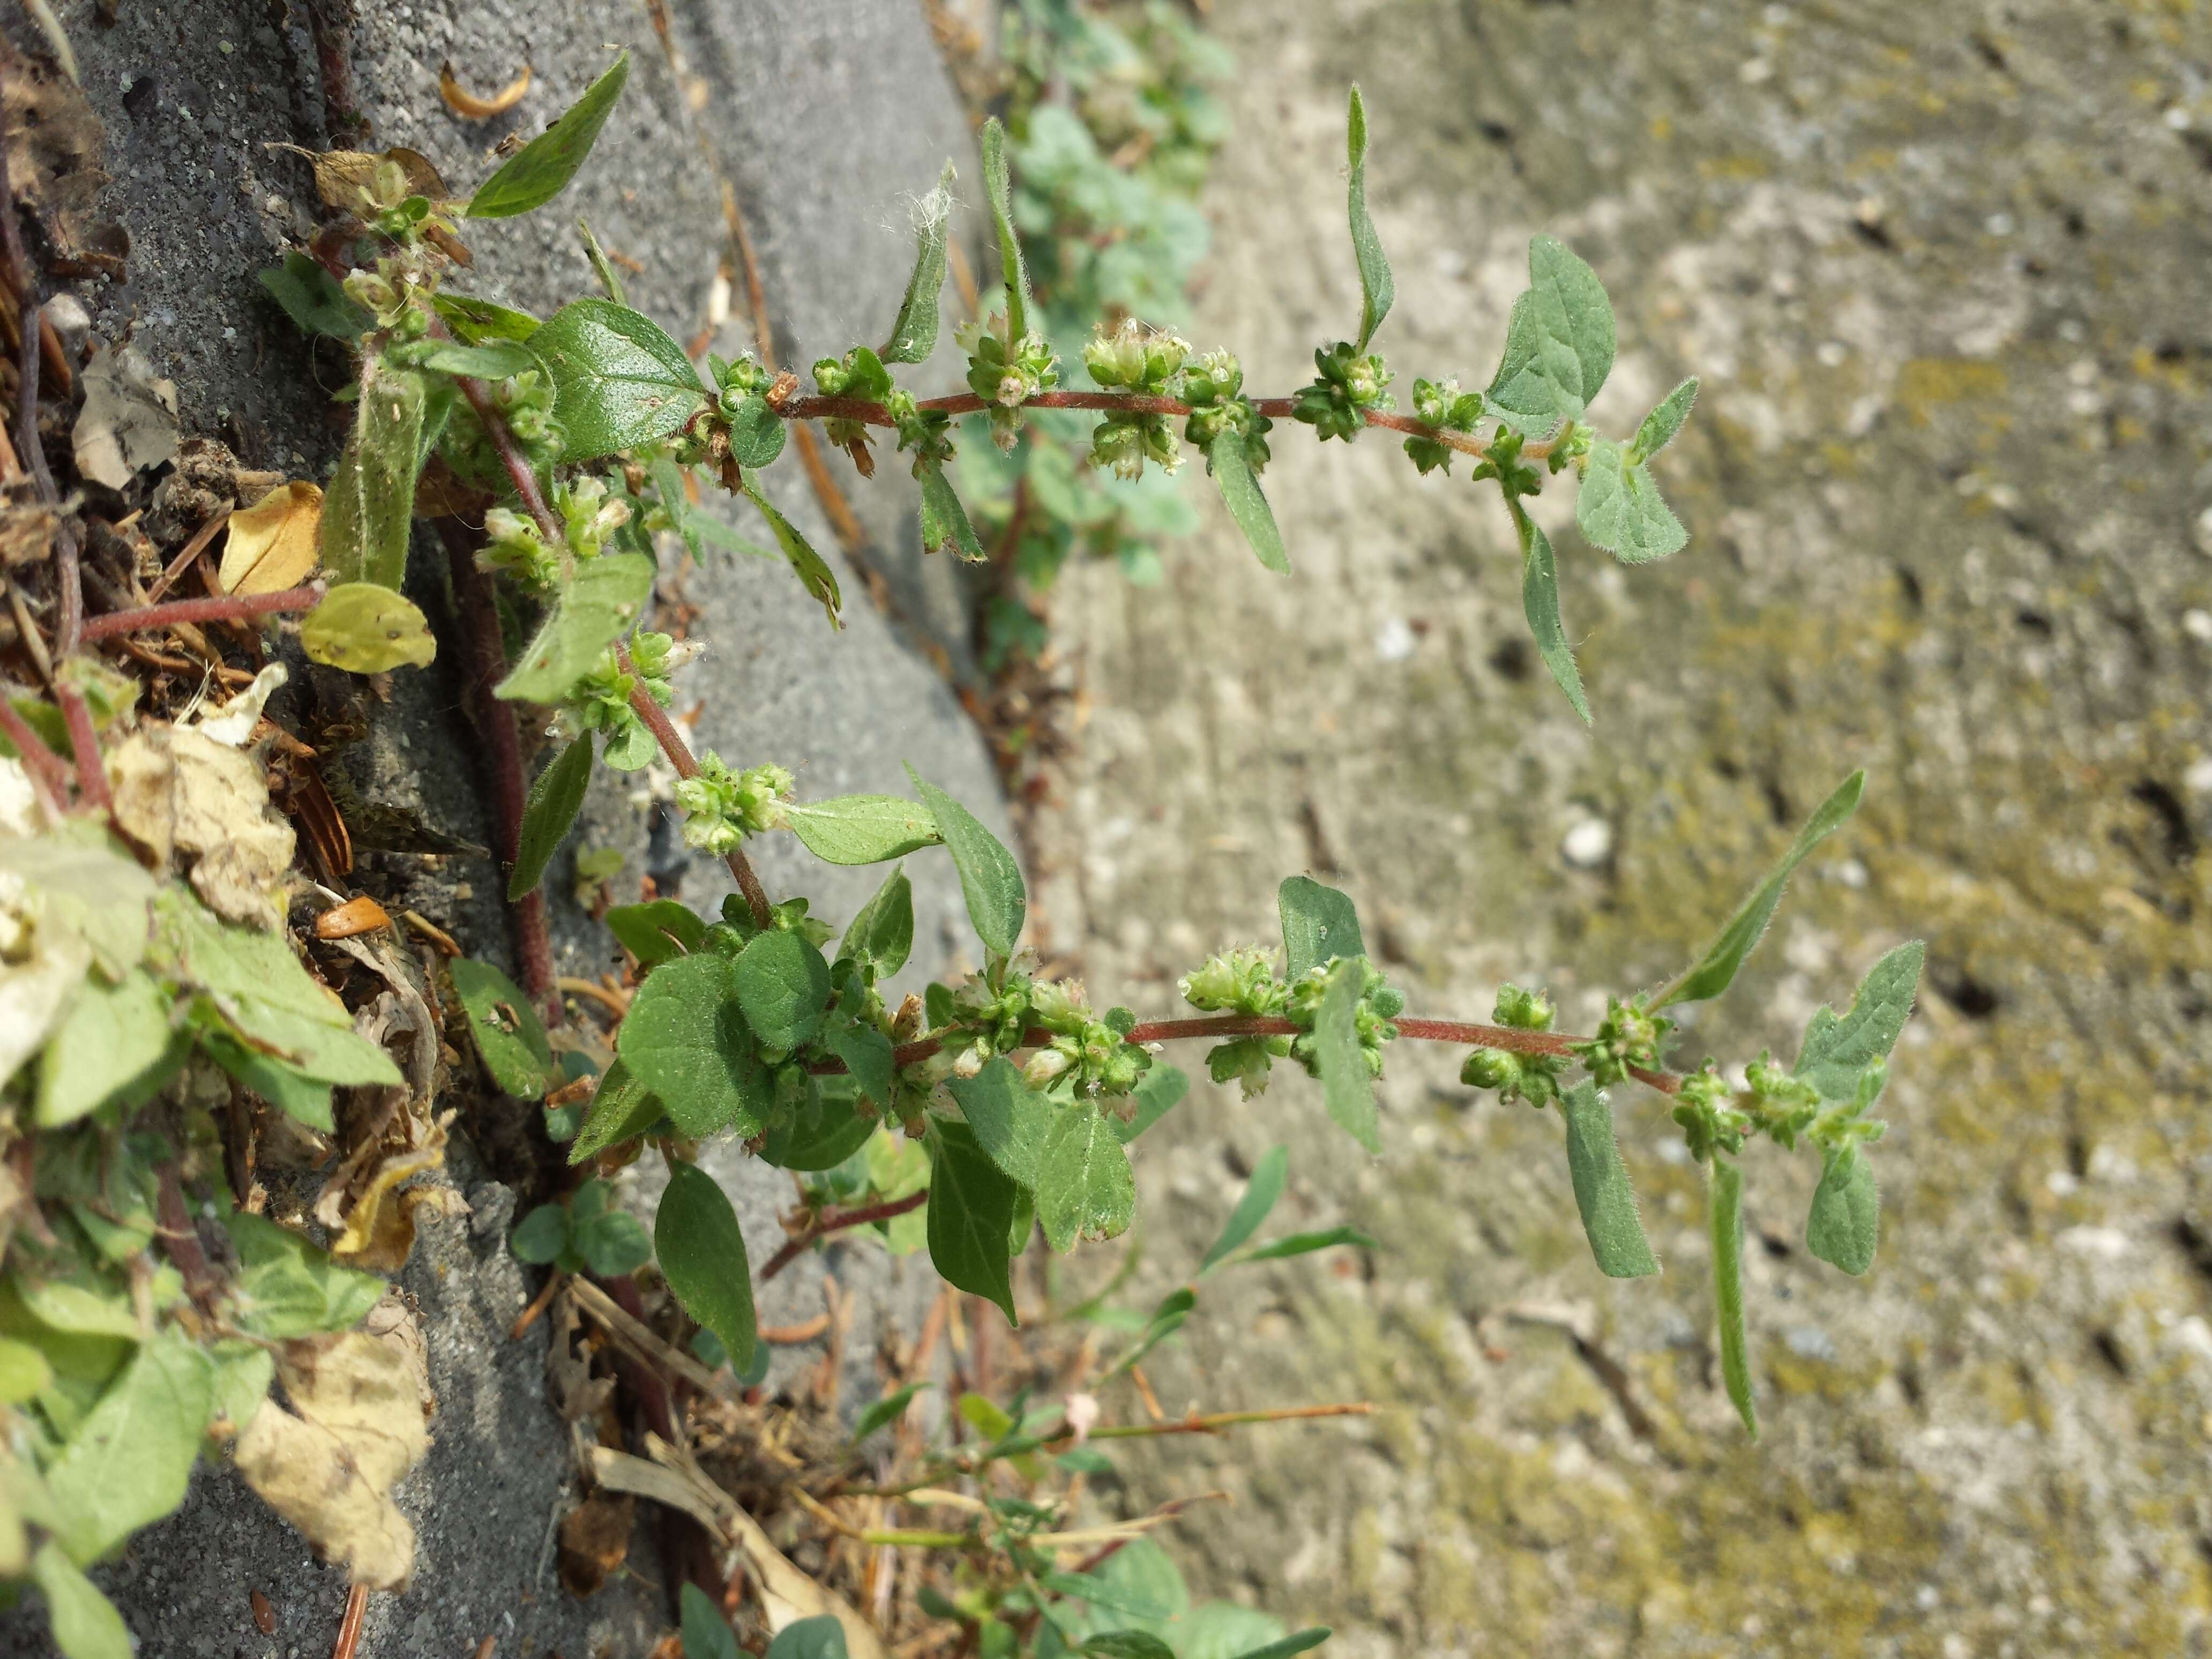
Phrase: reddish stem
(230, 608)
(48, 771)
(91, 775)
(472, 587)
(679, 757)
(520, 472)
(180, 1240)
(833, 1221)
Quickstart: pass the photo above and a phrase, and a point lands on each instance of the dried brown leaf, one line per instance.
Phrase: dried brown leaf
(462, 102)
(595, 1541)
(179, 792)
(273, 544)
(56, 145)
(129, 421)
(345, 178)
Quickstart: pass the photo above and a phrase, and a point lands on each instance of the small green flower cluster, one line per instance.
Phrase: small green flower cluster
(722, 807)
(1532, 1078)
(1630, 1035)
(1443, 405)
(600, 702)
(1087, 1054)
(1006, 373)
(1348, 383)
(1380, 1002)
(1712, 1115)
(860, 373)
(1213, 386)
(927, 432)
(1134, 359)
(1245, 982)
(514, 544)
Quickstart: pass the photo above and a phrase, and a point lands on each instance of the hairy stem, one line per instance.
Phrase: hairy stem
(48, 771)
(232, 608)
(1124, 403)
(84, 738)
(832, 1221)
(679, 757)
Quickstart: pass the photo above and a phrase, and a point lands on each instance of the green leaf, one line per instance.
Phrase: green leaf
(1724, 1215)
(1297, 1642)
(366, 629)
(1011, 1121)
(600, 268)
(1347, 1083)
(756, 432)
(1158, 1092)
(881, 936)
(1558, 341)
(783, 985)
(1085, 1188)
(23, 1372)
(620, 382)
(1261, 1193)
(288, 1287)
(971, 1210)
(475, 321)
(1319, 924)
(1540, 603)
(657, 931)
(1128, 1645)
(86, 1624)
(1326, 1239)
(1845, 1227)
(685, 1039)
(510, 1037)
(990, 880)
(127, 1464)
(111, 1038)
(556, 797)
(313, 299)
(888, 1409)
(821, 1638)
(541, 168)
(494, 360)
(623, 1106)
(1376, 287)
(867, 1055)
(706, 1633)
(542, 1237)
(612, 1243)
(1226, 459)
(825, 1130)
(595, 608)
(944, 520)
(369, 506)
(813, 574)
(702, 1256)
(861, 829)
(1602, 1193)
(1835, 1051)
(1661, 425)
(1717, 968)
(914, 335)
(998, 188)
(1621, 510)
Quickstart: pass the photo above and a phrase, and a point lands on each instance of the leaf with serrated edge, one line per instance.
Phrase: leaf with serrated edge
(1558, 341)
(556, 797)
(1348, 1086)
(914, 335)
(1261, 1193)
(1724, 1216)
(597, 607)
(1376, 289)
(1602, 1193)
(1619, 508)
(1844, 1227)
(1717, 968)
(1319, 923)
(1240, 493)
(861, 829)
(1837, 1050)
(1540, 603)
(619, 380)
(990, 880)
(541, 168)
(1661, 425)
(702, 1254)
(971, 1210)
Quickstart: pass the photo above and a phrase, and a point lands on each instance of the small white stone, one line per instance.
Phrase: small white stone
(1587, 844)
(2198, 777)
(1394, 640)
(2109, 1242)
(1832, 354)
(1998, 224)
(1754, 71)
(2203, 532)
(2197, 624)
(2178, 118)
(2062, 1183)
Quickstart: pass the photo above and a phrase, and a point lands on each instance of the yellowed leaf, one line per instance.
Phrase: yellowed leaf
(273, 544)
(346, 178)
(328, 1465)
(179, 792)
(462, 102)
(365, 630)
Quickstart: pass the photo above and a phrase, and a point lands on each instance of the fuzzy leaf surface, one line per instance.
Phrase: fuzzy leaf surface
(861, 828)
(1602, 1195)
(541, 168)
(619, 380)
(702, 1255)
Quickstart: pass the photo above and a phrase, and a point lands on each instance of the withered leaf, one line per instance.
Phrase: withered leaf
(55, 147)
(275, 542)
(345, 178)
(129, 421)
(179, 790)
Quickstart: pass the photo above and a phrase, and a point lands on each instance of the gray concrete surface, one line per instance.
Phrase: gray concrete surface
(193, 94)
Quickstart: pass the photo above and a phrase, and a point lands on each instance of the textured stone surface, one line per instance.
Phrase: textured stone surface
(1941, 269)
(193, 91)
